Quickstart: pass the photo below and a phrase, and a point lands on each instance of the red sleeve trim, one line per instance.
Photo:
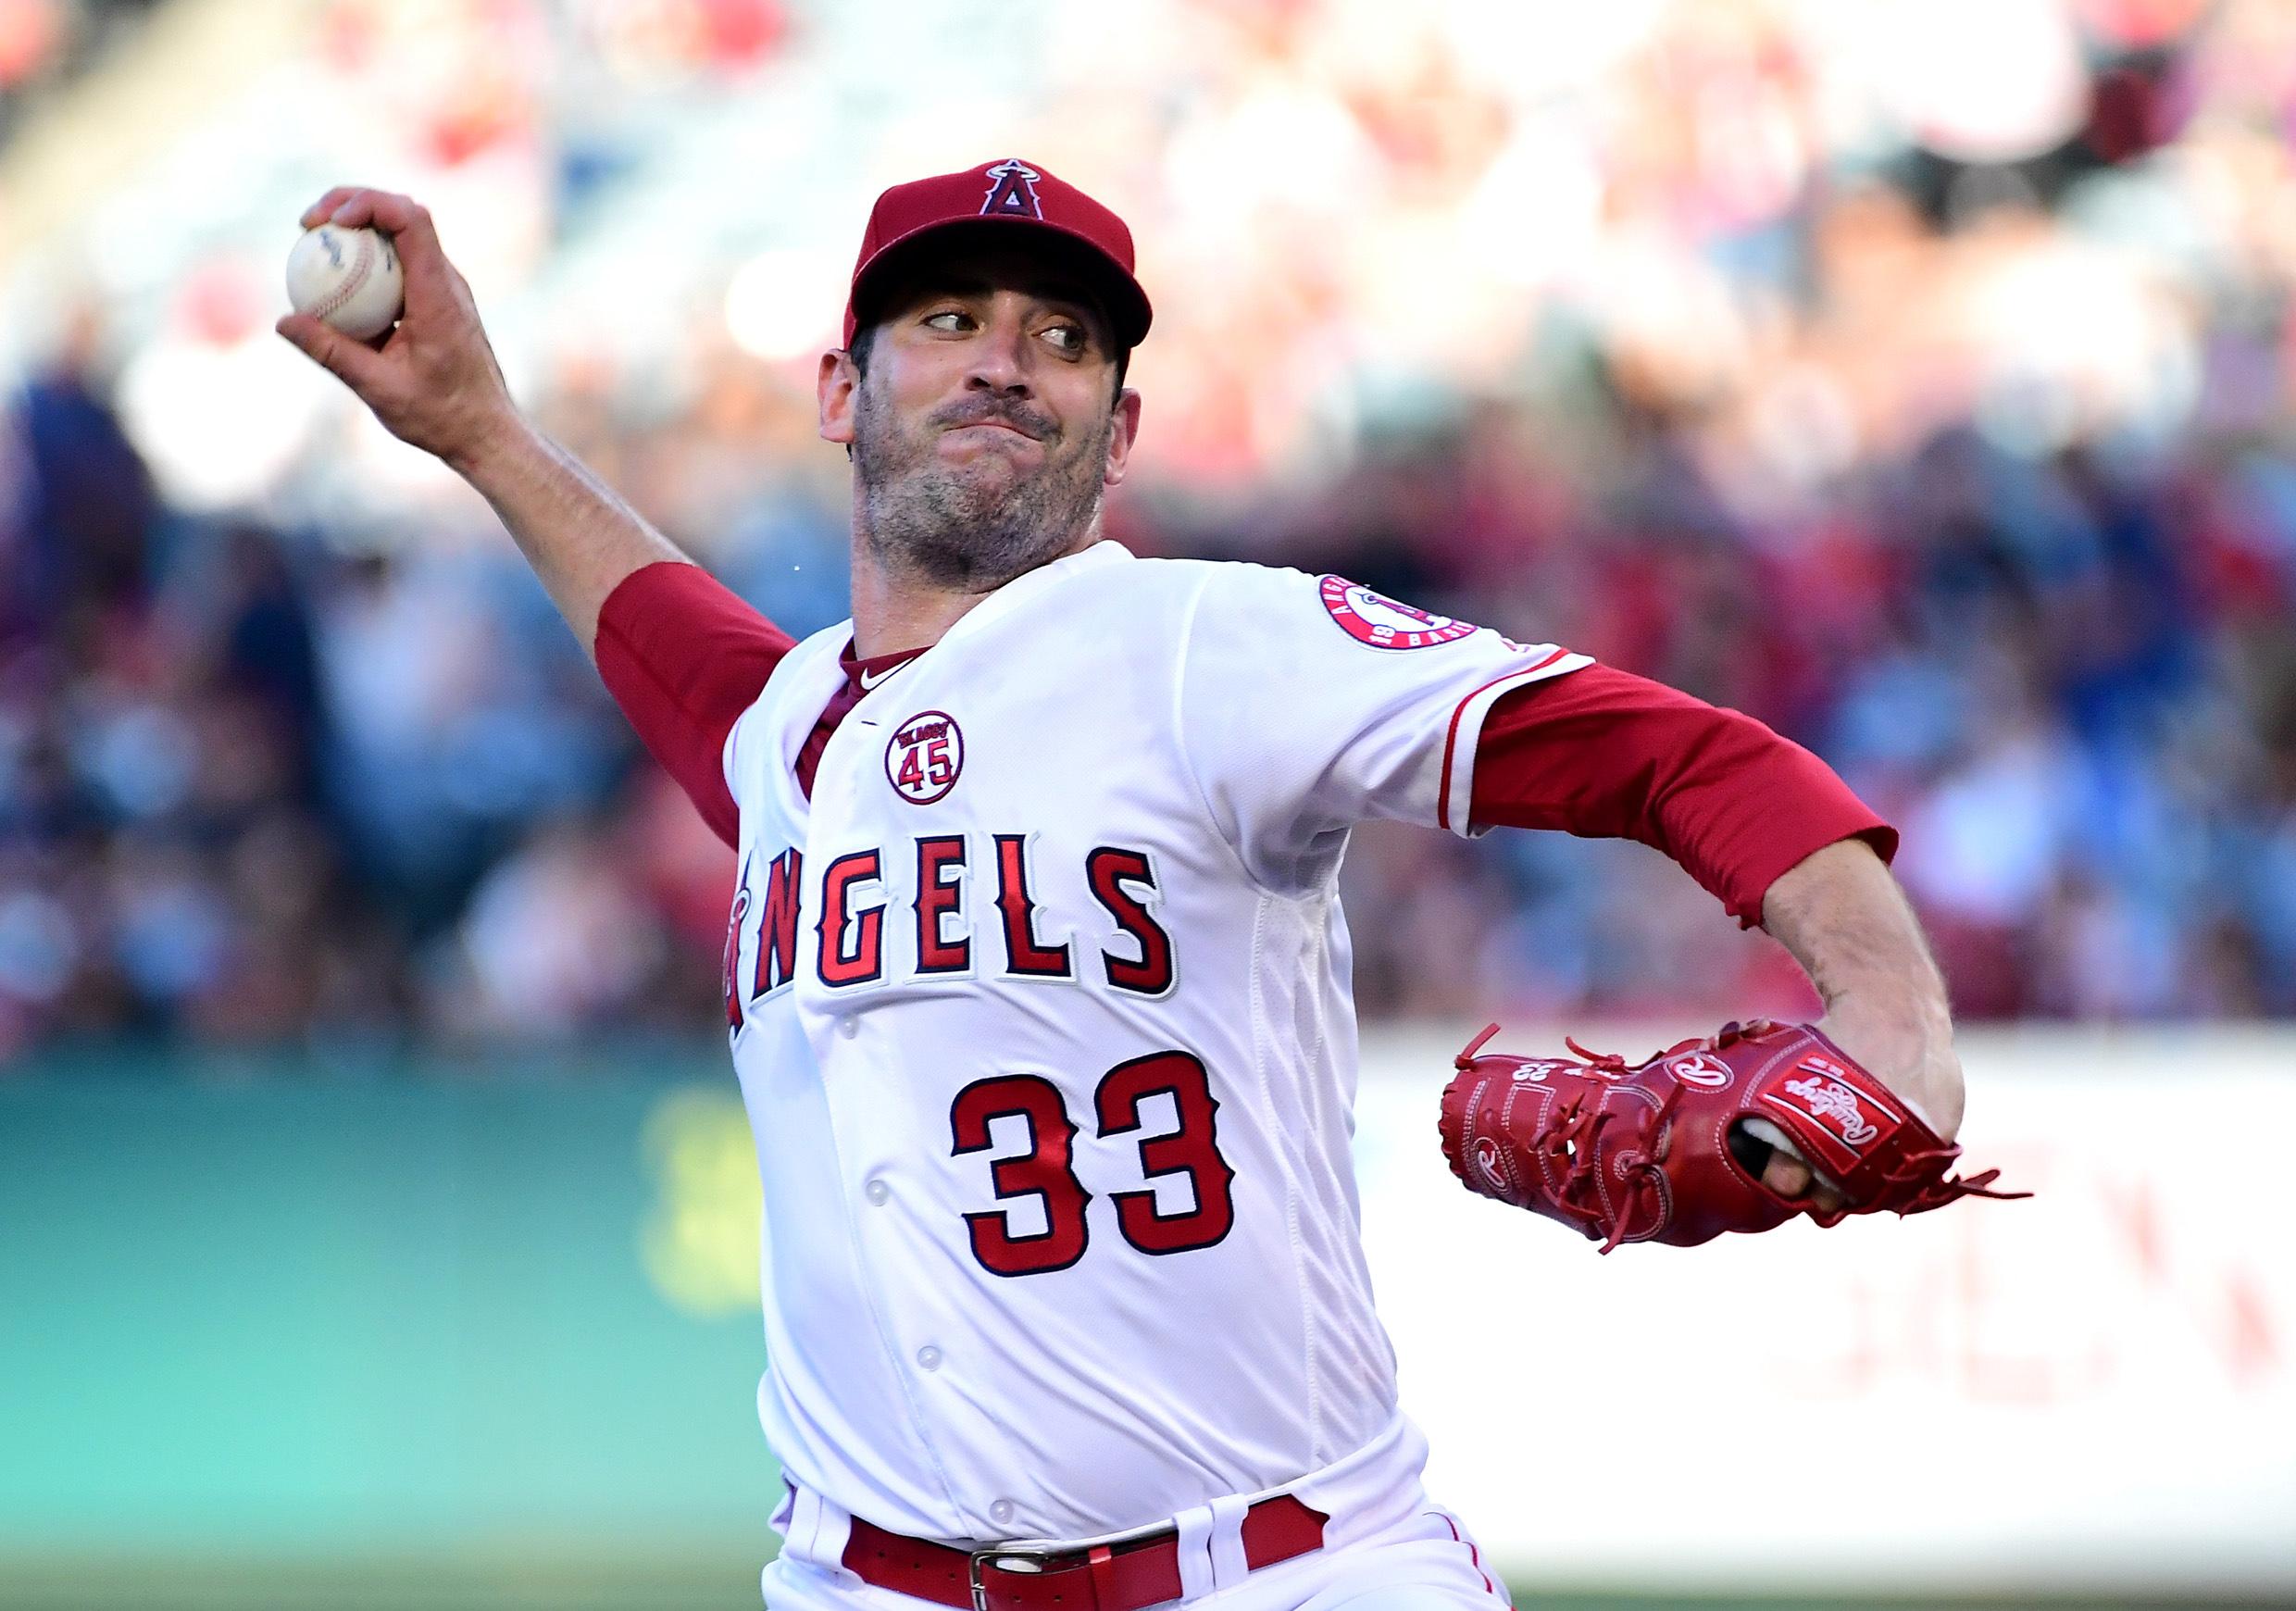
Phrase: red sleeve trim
(1605, 753)
(684, 656)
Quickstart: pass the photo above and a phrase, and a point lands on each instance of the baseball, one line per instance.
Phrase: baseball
(346, 278)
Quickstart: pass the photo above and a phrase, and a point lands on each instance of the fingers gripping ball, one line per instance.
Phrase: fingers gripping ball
(1643, 1152)
(346, 278)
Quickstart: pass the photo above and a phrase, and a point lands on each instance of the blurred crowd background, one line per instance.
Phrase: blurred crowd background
(1918, 378)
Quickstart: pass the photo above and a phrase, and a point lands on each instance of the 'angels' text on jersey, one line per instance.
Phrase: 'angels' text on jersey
(896, 912)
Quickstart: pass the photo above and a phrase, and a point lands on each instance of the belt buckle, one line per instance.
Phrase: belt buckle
(1036, 1560)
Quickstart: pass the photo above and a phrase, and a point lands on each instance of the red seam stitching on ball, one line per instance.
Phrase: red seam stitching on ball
(351, 281)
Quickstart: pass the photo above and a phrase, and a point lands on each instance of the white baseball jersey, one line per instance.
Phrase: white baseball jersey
(1040, 1009)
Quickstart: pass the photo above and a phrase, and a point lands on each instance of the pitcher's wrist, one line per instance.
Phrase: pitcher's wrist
(491, 447)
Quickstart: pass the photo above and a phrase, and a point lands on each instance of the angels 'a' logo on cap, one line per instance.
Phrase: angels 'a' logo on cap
(1012, 191)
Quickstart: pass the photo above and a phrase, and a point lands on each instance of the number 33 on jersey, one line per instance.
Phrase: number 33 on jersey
(1087, 846)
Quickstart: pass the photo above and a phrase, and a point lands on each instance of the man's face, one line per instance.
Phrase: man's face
(989, 420)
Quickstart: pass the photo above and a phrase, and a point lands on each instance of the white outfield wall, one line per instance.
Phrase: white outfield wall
(2095, 1389)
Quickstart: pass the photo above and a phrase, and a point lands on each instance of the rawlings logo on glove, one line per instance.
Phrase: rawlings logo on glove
(1645, 1152)
(1832, 1099)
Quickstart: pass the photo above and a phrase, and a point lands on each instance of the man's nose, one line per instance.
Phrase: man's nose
(1000, 361)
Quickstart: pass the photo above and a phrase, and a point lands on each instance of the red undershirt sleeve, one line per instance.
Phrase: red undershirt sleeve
(1605, 753)
(684, 656)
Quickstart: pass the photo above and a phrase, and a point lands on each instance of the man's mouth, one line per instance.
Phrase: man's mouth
(994, 424)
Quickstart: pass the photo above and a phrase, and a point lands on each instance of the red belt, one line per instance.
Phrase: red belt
(1124, 1576)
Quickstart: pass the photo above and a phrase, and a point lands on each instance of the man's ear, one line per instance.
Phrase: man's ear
(837, 392)
(1125, 432)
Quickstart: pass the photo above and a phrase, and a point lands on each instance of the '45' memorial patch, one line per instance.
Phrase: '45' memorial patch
(926, 754)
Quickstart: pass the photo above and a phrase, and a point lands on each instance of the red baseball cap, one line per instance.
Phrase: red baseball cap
(1002, 196)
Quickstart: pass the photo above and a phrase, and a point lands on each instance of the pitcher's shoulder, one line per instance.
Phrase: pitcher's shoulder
(1182, 582)
(1176, 601)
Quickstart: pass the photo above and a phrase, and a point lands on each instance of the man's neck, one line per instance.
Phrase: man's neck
(895, 609)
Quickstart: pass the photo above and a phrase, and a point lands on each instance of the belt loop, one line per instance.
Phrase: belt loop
(1229, 1566)
(818, 1528)
(1101, 1561)
(805, 1523)
(1192, 1548)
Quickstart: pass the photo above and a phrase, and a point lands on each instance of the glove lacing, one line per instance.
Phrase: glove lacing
(1943, 1188)
(1572, 1138)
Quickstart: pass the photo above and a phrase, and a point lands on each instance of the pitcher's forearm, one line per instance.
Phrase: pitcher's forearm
(579, 536)
(1846, 921)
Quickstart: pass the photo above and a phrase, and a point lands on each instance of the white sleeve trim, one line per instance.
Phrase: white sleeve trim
(1455, 791)
(803, 651)
(729, 756)
(726, 751)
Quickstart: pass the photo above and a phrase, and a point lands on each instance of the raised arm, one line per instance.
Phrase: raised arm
(681, 655)
(433, 383)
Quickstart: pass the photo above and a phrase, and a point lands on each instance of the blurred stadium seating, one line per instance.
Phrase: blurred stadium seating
(47, 46)
(1939, 418)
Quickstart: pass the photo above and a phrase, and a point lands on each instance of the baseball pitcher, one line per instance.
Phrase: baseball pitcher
(1037, 981)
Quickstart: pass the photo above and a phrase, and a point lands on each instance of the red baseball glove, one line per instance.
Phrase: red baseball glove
(1661, 1150)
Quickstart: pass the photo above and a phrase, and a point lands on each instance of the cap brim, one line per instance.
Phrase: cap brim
(1121, 296)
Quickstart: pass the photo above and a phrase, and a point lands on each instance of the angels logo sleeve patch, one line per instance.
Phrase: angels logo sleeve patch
(1309, 703)
(1375, 619)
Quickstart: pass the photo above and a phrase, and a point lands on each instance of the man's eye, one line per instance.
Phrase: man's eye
(1067, 337)
(954, 316)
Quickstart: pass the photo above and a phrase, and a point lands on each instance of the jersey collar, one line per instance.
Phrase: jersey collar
(866, 675)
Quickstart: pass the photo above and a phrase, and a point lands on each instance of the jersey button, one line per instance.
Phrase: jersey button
(877, 1192)
(848, 1026)
(1003, 1512)
(929, 1357)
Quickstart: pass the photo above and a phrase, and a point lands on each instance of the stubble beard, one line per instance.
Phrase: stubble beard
(971, 529)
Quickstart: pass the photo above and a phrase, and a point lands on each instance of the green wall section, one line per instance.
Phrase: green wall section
(447, 1311)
